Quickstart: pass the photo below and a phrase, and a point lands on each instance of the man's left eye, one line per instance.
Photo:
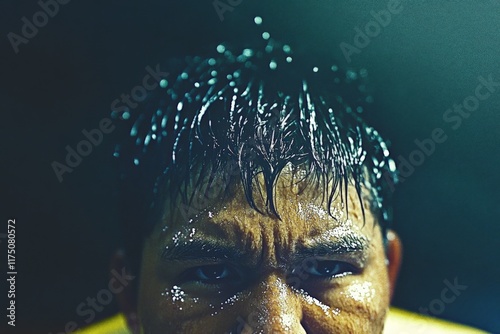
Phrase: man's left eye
(328, 269)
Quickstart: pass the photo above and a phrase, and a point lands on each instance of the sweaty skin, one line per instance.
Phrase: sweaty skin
(230, 269)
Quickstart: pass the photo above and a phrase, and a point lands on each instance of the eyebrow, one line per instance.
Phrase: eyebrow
(201, 249)
(213, 250)
(349, 243)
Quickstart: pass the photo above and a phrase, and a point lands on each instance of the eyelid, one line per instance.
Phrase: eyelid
(190, 263)
(349, 269)
(201, 250)
(233, 269)
(357, 259)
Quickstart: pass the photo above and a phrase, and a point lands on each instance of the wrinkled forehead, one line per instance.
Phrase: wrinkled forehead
(302, 206)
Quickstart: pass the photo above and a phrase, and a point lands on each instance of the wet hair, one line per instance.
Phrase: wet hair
(237, 114)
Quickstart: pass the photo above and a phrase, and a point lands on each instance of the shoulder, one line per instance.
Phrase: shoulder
(114, 325)
(402, 322)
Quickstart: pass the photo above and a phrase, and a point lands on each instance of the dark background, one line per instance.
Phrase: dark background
(63, 81)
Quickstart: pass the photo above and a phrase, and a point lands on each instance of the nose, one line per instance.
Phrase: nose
(272, 308)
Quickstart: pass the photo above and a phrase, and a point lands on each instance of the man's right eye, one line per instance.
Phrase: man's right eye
(217, 274)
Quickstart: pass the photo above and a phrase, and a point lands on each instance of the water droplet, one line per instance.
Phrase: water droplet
(221, 48)
(351, 75)
(273, 65)
(266, 35)
(258, 20)
(248, 52)
(392, 165)
(163, 83)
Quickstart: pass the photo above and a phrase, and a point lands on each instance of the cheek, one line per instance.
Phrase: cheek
(360, 292)
(364, 299)
(164, 305)
(368, 295)
(174, 310)
(358, 307)
(158, 301)
(361, 302)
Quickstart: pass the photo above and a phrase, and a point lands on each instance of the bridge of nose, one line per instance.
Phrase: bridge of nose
(274, 307)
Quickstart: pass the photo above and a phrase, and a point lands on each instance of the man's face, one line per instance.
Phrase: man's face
(230, 269)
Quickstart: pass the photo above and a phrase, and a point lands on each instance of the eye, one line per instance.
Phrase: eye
(211, 274)
(330, 269)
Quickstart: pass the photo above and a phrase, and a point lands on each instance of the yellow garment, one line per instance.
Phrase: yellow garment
(113, 325)
(398, 321)
(404, 322)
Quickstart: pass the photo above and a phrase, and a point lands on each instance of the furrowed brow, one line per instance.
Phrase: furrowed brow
(350, 243)
(199, 249)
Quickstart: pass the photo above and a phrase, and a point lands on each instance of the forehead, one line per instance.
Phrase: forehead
(303, 216)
